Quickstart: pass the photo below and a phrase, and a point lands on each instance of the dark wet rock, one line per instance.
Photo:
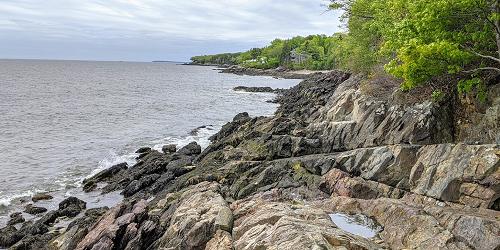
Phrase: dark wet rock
(16, 218)
(143, 150)
(241, 117)
(71, 207)
(33, 242)
(171, 148)
(31, 209)
(136, 185)
(197, 130)
(277, 73)
(89, 186)
(41, 197)
(91, 183)
(91, 215)
(155, 164)
(33, 228)
(72, 201)
(191, 149)
(50, 217)
(255, 89)
(231, 127)
(9, 236)
(22, 238)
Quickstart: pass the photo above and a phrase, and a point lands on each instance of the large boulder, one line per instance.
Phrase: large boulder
(262, 224)
(191, 149)
(170, 148)
(107, 233)
(465, 174)
(200, 212)
(16, 218)
(349, 120)
(77, 230)
(71, 207)
(91, 183)
(419, 222)
(41, 197)
(34, 210)
(9, 236)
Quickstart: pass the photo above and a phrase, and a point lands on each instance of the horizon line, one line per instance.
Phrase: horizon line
(94, 60)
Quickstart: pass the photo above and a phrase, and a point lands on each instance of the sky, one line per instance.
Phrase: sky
(146, 30)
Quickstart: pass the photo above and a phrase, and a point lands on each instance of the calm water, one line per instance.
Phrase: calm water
(357, 224)
(62, 120)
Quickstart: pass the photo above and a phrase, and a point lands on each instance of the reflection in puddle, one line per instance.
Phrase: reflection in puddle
(356, 224)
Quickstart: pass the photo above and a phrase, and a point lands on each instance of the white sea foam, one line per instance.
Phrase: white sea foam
(6, 200)
(112, 159)
(201, 137)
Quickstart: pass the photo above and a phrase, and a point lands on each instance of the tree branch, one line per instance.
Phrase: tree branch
(485, 56)
(482, 68)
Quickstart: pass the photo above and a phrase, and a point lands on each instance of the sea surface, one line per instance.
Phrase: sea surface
(61, 121)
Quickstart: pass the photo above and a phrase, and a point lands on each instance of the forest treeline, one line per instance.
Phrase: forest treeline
(416, 41)
(315, 52)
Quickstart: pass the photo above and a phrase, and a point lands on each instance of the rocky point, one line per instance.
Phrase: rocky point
(273, 182)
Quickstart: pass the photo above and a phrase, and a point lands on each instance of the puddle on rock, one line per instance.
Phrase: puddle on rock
(357, 224)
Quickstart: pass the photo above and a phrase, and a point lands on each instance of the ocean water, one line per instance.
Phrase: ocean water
(61, 121)
(357, 224)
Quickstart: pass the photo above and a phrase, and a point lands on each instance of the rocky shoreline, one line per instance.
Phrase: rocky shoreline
(257, 89)
(273, 182)
(278, 73)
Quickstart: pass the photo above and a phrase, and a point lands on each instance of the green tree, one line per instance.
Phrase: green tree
(420, 39)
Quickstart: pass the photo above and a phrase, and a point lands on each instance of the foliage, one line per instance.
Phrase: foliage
(316, 52)
(421, 39)
(219, 59)
(416, 41)
(468, 85)
(437, 95)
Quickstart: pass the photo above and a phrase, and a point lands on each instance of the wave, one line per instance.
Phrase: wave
(6, 200)
(71, 181)
(112, 159)
(200, 136)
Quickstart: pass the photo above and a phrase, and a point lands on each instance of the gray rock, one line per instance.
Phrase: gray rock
(193, 222)
(191, 149)
(31, 209)
(171, 148)
(16, 218)
(9, 236)
(143, 150)
(41, 197)
(71, 207)
(254, 89)
(89, 184)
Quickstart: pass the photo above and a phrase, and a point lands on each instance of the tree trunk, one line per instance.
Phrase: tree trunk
(496, 9)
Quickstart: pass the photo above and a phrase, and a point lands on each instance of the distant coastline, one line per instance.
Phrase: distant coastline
(162, 61)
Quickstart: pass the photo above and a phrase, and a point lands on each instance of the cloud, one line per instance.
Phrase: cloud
(144, 25)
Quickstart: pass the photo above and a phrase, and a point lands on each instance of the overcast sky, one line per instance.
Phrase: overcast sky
(145, 30)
